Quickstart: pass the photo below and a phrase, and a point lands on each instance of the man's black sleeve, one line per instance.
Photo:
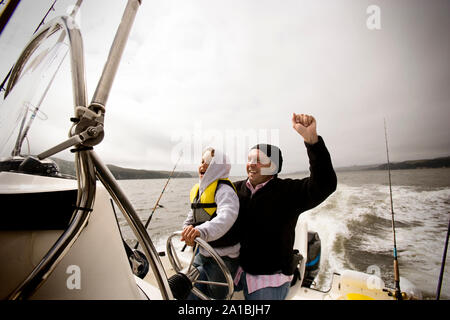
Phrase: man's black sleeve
(307, 193)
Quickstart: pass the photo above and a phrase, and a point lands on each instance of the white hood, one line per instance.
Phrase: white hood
(219, 168)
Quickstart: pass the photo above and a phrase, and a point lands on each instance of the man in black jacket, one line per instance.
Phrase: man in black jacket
(270, 207)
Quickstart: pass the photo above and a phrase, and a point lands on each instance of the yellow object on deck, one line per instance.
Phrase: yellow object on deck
(357, 296)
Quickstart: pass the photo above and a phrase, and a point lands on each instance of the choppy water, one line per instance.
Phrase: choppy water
(354, 223)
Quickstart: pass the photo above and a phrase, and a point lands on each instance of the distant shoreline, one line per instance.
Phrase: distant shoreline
(442, 162)
(120, 173)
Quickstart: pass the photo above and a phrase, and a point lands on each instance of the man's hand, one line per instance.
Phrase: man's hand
(306, 126)
(189, 234)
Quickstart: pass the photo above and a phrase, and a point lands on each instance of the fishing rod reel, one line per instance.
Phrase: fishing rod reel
(409, 292)
(183, 282)
(397, 295)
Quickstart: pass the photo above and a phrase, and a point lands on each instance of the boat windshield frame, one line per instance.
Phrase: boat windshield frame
(88, 164)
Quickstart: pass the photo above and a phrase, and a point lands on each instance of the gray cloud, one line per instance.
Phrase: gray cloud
(250, 64)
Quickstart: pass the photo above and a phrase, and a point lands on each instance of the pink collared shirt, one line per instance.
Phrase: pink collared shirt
(256, 282)
(258, 186)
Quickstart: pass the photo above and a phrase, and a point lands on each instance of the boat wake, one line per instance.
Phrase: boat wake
(355, 228)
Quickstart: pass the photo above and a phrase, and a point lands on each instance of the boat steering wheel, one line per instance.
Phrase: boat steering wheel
(183, 282)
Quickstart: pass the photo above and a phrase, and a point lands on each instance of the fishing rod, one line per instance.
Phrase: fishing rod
(52, 8)
(398, 293)
(441, 274)
(162, 192)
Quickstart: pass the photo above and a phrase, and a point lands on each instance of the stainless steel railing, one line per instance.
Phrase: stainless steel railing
(88, 164)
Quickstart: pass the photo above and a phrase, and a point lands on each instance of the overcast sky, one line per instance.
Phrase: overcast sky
(231, 73)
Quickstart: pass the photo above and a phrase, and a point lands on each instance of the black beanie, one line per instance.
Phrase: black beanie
(273, 152)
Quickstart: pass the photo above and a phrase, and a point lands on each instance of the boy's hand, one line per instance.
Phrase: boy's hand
(189, 234)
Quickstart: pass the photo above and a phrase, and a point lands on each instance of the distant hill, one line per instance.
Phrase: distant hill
(126, 173)
(356, 168)
(443, 162)
(68, 168)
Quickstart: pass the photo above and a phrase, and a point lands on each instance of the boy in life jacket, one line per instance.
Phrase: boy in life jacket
(214, 210)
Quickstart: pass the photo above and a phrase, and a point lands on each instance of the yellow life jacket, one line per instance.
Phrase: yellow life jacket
(205, 208)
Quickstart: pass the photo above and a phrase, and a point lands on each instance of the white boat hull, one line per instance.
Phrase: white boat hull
(97, 266)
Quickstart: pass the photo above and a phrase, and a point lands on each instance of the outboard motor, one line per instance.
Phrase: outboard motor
(313, 260)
